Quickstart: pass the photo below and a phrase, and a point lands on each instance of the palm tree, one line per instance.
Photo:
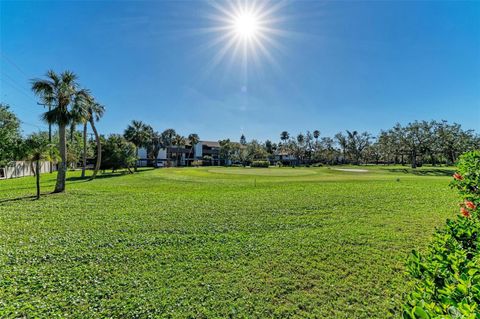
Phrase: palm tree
(193, 139)
(139, 134)
(59, 91)
(38, 148)
(156, 143)
(284, 136)
(95, 112)
(243, 140)
(167, 139)
(179, 141)
(316, 135)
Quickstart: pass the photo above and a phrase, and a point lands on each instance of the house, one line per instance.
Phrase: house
(208, 151)
(284, 157)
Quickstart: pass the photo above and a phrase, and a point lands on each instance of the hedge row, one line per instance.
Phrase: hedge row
(260, 164)
(447, 277)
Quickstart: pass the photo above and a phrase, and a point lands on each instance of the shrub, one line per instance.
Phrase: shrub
(260, 164)
(447, 276)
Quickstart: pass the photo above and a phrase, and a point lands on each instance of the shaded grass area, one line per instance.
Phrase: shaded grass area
(216, 242)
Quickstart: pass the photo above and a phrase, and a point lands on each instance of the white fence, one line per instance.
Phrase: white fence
(23, 168)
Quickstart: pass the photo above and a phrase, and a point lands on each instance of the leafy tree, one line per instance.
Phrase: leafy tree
(59, 91)
(328, 149)
(117, 153)
(415, 139)
(255, 151)
(227, 150)
(342, 141)
(9, 135)
(356, 143)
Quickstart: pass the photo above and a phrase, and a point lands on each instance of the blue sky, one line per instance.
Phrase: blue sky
(337, 65)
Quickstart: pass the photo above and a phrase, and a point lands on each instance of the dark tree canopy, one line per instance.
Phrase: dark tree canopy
(10, 136)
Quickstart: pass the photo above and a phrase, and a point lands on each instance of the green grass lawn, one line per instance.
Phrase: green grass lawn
(217, 242)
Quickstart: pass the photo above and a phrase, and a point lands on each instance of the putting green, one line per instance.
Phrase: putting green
(263, 171)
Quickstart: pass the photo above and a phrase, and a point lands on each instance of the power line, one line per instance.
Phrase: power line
(37, 126)
(27, 123)
(13, 63)
(17, 86)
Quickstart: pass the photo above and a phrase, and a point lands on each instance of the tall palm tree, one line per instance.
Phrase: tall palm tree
(156, 143)
(284, 136)
(167, 138)
(179, 141)
(193, 139)
(139, 134)
(59, 91)
(95, 111)
(316, 134)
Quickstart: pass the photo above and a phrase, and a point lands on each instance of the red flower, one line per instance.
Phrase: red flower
(470, 205)
(464, 212)
(457, 176)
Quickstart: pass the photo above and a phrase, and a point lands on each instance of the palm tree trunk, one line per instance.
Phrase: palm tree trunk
(62, 166)
(37, 169)
(99, 149)
(84, 164)
(136, 158)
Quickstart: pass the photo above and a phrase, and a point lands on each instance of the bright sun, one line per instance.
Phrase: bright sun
(246, 31)
(246, 25)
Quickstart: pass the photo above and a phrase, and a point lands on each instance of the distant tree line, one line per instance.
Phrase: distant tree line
(417, 143)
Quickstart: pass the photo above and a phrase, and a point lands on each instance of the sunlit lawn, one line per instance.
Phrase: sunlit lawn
(217, 242)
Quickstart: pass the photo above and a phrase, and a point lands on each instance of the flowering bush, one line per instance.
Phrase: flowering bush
(447, 276)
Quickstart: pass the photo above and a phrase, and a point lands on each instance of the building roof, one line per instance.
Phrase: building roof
(210, 143)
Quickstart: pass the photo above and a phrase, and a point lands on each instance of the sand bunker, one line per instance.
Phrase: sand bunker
(355, 170)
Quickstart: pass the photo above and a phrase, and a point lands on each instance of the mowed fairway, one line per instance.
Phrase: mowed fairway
(217, 242)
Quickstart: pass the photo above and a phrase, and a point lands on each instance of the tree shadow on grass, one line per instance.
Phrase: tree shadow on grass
(75, 179)
(424, 172)
(107, 175)
(31, 197)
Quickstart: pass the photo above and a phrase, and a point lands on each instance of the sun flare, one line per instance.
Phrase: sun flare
(246, 31)
(246, 25)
